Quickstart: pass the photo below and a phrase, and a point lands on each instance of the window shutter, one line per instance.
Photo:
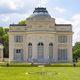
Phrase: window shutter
(22, 54)
(14, 54)
(21, 38)
(14, 38)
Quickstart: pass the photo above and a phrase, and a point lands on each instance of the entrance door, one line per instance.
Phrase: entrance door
(18, 55)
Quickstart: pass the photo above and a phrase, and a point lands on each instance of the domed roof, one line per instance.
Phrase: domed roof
(40, 12)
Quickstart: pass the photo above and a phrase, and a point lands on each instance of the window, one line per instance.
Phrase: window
(51, 51)
(40, 51)
(29, 50)
(62, 54)
(18, 50)
(18, 38)
(62, 39)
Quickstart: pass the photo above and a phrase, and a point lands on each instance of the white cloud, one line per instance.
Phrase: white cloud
(60, 10)
(10, 12)
(5, 19)
(75, 21)
(13, 5)
(62, 21)
(76, 17)
(18, 4)
(42, 3)
(76, 27)
(9, 4)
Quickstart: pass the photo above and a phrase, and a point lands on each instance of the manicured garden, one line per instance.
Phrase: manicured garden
(39, 73)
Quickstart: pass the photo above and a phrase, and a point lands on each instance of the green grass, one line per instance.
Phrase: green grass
(19, 73)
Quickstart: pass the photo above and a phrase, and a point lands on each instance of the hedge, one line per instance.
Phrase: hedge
(36, 65)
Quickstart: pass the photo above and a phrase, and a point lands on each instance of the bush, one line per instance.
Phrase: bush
(36, 65)
(59, 65)
(17, 65)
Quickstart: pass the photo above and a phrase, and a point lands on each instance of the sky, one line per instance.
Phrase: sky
(64, 11)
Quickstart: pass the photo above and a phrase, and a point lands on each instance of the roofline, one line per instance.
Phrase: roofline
(26, 24)
(63, 25)
(17, 25)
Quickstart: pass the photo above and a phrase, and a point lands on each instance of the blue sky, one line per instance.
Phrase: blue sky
(64, 11)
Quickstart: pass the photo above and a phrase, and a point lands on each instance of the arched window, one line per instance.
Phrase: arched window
(51, 51)
(29, 50)
(40, 54)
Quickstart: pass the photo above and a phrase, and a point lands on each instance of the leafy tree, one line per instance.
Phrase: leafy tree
(1, 31)
(5, 40)
(76, 51)
(22, 22)
(77, 46)
(6, 30)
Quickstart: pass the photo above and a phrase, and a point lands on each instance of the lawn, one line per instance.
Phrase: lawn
(49, 73)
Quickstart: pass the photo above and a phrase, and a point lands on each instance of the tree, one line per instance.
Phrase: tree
(1, 31)
(76, 51)
(5, 39)
(6, 30)
(76, 46)
(22, 22)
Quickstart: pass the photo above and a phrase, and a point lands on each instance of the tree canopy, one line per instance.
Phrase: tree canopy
(76, 51)
(22, 22)
(4, 39)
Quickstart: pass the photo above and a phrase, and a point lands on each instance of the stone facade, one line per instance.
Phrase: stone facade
(41, 40)
(1, 52)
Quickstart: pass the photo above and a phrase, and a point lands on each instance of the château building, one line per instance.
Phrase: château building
(40, 40)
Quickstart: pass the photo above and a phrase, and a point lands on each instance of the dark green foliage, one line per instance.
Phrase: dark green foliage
(6, 30)
(76, 46)
(76, 51)
(1, 31)
(4, 39)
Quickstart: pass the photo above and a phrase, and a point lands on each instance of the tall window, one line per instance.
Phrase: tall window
(29, 50)
(62, 39)
(40, 51)
(18, 38)
(62, 54)
(51, 51)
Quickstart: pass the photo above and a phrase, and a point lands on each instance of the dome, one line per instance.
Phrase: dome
(40, 12)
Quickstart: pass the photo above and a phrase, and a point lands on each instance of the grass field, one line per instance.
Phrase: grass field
(52, 73)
